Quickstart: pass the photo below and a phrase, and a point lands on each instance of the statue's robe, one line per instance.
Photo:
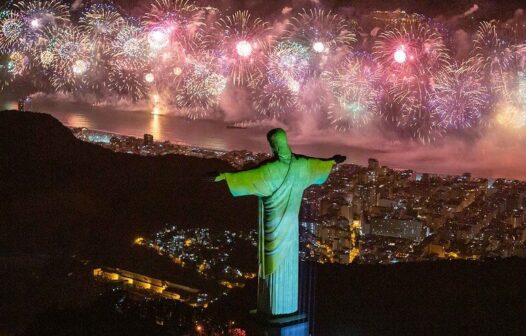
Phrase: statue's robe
(279, 184)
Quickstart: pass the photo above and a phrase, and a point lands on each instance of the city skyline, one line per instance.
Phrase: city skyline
(378, 201)
(497, 157)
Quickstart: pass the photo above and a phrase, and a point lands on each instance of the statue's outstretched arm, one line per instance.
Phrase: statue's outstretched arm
(339, 158)
(319, 169)
(220, 177)
(336, 158)
(246, 182)
(214, 176)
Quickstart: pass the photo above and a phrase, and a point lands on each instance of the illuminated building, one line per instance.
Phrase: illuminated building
(230, 284)
(517, 218)
(346, 212)
(433, 249)
(515, 202)
(356, 227)
(148, 285)
(312, 227)
(21, 105)
(385, 203)
(148, 139)
(373, 164)
(401, 228)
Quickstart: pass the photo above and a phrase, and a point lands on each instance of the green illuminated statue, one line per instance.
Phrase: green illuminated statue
(279, 184)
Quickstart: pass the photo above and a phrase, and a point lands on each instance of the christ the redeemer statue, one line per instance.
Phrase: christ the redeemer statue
(279, 185)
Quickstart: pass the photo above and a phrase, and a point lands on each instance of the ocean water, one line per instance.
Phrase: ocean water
(488, 156)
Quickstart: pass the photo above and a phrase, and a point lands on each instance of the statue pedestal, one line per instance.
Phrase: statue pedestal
(288, 325)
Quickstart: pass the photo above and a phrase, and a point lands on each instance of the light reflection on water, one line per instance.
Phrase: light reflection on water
(211, 134)
(156, 127)
(78, 120)
(203, 133)
(358, 147)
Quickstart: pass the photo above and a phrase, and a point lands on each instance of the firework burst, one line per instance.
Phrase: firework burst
(492, 53)
(127, 79)
(355, 93)
(101, 22)
(459, 97)
(417, 118)
(273, 99)
(200, 88)
(241, 40)
(18, 63)
(411, 96)
(36, 16)
(497, 58)
(410, 55)
(289, 65)
(321, 31)
(411, 49)
(176, 23)
(70, 50)
(130, 44)
(11, 31)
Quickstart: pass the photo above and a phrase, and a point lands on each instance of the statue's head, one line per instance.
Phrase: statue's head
(277, 139)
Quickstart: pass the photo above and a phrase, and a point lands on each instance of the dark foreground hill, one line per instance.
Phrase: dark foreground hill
(426, 298)
(59, 193)
(62, 198)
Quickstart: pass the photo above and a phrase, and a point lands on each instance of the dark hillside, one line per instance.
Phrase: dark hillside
(63, 195)
(425, 298)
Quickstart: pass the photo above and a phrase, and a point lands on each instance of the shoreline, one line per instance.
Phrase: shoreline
(179, 143)
(440, 175)
(359, 159)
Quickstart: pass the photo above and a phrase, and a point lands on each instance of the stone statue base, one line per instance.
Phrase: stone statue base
(284, 325)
